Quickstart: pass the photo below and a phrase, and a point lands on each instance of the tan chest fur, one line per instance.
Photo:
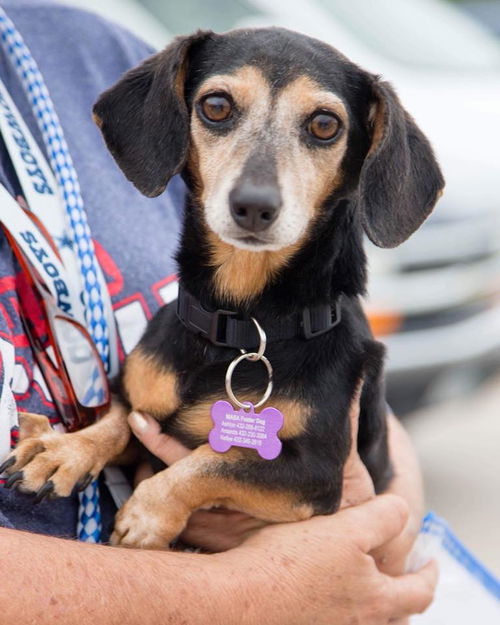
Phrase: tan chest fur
(152, 388)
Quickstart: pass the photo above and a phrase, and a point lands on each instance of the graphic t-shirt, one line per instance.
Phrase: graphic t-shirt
(80, 55)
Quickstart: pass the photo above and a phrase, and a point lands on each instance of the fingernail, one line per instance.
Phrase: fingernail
(137, 421)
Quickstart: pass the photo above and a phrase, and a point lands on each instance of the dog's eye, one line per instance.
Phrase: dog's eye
(216, 108)
(324, 126)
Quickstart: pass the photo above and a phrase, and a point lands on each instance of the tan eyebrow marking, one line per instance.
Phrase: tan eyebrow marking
(245, 86)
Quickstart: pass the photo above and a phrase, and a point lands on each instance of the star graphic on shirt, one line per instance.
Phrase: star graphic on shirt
(65, 241)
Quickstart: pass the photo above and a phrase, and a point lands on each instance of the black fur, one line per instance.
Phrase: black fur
(143, 114)
(388, 192)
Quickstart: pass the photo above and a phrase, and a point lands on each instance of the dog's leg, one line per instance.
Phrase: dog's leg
(51, 463)
(160, 507)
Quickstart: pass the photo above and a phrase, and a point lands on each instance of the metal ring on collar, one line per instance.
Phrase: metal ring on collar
(252, 356)
(262, 345)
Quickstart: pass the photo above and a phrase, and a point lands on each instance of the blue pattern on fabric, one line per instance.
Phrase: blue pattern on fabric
(89, 523)
(436, 526)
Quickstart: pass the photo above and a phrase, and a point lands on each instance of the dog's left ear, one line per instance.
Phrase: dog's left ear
(144, 117)
(400, 180)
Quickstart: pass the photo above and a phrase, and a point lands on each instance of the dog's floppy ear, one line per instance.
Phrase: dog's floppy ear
(144, 118)
(400, 180)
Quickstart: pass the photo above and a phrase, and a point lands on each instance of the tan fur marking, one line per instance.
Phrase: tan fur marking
(310, 175)
(97, 120)
(193, 166)
(33, 425)
(149, 386)
(158, 510)
(66, 458)
(378, 126)
(196, 419)
(245, 86)
(241, 275)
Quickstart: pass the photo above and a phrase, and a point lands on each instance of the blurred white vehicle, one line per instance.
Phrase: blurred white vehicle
(434, 301)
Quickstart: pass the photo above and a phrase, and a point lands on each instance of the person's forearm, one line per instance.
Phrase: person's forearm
(63, 582)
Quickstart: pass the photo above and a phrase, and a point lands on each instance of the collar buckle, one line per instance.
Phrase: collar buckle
(217, 333)
(322, 320)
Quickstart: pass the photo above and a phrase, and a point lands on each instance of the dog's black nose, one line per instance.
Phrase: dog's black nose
(254, 207)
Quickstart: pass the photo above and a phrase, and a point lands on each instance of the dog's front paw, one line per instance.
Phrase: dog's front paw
(147, 520)
(49, 463)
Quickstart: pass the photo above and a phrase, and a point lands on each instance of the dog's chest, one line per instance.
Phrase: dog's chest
(157, 389)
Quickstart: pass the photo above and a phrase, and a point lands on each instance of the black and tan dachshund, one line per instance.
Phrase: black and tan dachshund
(290, 154)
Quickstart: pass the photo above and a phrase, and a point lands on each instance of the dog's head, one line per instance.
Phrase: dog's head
(271, 128)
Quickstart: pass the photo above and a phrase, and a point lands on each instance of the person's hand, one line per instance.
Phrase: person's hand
(213, 530)
(320, 571)
(358, 488)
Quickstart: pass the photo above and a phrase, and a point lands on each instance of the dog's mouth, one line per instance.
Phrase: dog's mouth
(252, 239)
(254, 242)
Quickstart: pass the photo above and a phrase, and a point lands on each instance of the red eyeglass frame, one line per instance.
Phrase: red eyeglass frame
(39, 312)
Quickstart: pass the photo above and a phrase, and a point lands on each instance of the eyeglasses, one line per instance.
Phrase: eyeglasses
(69, 361)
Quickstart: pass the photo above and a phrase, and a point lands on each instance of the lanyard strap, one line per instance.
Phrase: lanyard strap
(35, 246)
(97, 303)
(98, 313)
(42, 195)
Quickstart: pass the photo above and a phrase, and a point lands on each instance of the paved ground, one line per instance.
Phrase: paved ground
(459, 446)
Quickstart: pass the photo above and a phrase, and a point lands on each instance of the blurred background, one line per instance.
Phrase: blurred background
(434, 301)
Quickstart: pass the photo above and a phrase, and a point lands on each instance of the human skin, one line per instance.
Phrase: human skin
(317, 571)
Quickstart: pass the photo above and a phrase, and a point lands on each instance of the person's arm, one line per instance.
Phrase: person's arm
(316, 571)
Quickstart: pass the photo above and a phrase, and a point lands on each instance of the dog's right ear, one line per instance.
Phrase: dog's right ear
(400, 180)
(144, 118)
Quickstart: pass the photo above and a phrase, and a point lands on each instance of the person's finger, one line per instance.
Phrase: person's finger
(413, 593)
(219, 529)
(357, 485)
(391, 558)
(375, 522)
(148, 431)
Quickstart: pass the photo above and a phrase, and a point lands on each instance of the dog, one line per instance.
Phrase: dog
(290, 153)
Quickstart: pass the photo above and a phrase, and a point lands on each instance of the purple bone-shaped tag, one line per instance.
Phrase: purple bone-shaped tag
(244, 428)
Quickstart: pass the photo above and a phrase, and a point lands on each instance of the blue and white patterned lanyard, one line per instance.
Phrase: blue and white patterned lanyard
(89, 519)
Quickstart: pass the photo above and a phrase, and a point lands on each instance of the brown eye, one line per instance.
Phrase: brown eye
(216, 108)
(324, 126)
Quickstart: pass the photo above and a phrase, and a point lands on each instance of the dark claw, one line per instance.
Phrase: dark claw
(8, 463)
(14, 479)
(84, 481)
(46, 490)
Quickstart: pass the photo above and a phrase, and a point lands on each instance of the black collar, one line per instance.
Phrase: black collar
(227, 328)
